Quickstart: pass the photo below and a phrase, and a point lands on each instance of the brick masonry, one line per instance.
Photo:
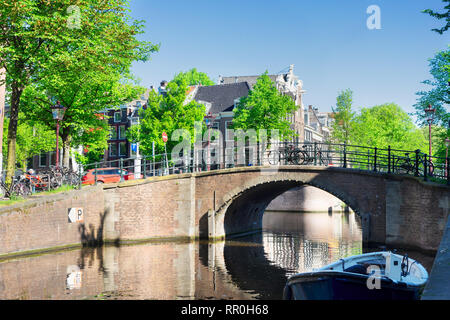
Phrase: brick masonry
(42, 223)
(400, 211)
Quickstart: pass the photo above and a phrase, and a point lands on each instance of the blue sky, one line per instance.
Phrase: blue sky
(328, 42)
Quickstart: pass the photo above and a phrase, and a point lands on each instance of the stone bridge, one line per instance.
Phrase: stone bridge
(401, 211)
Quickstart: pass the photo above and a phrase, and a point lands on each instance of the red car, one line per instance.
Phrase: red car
(106, 175)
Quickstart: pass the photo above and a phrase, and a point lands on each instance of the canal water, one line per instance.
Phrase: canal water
(252, 267)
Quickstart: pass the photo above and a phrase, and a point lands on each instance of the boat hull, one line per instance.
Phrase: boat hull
(345, 286)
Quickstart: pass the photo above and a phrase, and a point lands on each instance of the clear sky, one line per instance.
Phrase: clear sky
(328, 41)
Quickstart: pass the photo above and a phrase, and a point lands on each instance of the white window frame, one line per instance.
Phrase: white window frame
(120, 116)
(119, 131)
(46, 157)
(110, 150)
(118, 149)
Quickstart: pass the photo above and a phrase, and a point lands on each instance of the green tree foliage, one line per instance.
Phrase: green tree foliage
(165, 113)
(343, 116)
(438, 136)
(265, 108)
(32, 139)
(439, 95)
(42, 40)
(193, 77)
(387, 125)
(437, 15)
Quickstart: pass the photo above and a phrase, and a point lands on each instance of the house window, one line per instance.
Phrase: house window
(122, 149)
(216, 125)
(113, 150)
(43, 159)
(117, 117)
(53, 158)
(122, 130)
(113, 133)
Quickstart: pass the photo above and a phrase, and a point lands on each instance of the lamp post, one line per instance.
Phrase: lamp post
(447, 144)
(58, 114)
(430, 112)
(209, 119)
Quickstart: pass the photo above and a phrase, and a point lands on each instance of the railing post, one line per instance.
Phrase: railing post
(121, 169)
(315, 153)
(425, 169)
(145, 168)
(345, 155)
(389, 159)
(416, 173)
(375, 160)
(95, 173)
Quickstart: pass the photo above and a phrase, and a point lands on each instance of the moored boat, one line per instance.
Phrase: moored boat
(371, 276)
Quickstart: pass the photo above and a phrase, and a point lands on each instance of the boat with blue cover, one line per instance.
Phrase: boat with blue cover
(370, 276)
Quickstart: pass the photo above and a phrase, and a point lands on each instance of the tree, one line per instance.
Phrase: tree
(439, 95)
(32, 138)
(438, 136)
(40, 37)
(192, 78)
(165, 113)
(437, 15)
(265, 108)
(387, 125)
(343, 116)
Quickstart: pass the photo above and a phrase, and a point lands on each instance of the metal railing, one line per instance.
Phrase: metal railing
(390, 161)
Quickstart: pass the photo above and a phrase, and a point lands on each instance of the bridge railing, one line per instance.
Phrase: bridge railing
(213, 157)
(385, 160)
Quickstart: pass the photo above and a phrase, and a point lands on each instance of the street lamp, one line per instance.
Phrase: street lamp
(58, 114)
(209, 119)
(430, 112)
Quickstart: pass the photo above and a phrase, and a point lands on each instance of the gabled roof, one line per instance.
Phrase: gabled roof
(222, 97)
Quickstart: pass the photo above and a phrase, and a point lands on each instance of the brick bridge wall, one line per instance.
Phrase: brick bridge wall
(398, 211)
(395, 210)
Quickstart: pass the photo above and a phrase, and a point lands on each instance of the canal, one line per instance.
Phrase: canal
(252, 267)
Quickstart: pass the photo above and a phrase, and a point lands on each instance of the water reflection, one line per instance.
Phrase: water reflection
(301, 242)
(255, 267)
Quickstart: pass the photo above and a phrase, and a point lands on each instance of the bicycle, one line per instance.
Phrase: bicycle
(19, 187)
(404, 165)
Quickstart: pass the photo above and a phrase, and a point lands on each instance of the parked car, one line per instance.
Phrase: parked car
(106, 175)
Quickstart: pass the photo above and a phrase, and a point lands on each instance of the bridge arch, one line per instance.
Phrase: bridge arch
(242, 212)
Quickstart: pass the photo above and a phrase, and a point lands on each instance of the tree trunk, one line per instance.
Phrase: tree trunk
(12, 131)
